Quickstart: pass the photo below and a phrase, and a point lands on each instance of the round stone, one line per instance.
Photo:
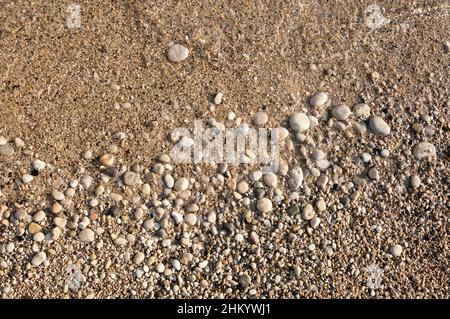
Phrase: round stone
(38, 165)
(424, 151)
(295, 178)
(218, 98)
(86, 235)
(190, 219)
(315, 222)
(270, 180)
(27, 178)
(39, 258)
(321, 205)
(138, 258)
(3, 141)
(168, 180)
(260, 118)
(308, 212)
(6, 149)
(396, 250)
(317, 154)
(57, 195)
(299, 121)
(415, 181)
(177, 53)
(56, 208)
(318, 99)
(107, 159)
(34, 228)
(379, 126)
(130, 178)
(181, 184)
(362, 111)
(264, 205)
(341, 112)
(242, 187)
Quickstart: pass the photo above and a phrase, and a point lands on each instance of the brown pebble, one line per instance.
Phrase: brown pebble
(34, 228)
(107, 159)
(56, 208)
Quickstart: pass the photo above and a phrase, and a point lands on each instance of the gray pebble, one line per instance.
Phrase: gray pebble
(379, 126)
(341, 112)
(424, 151)
(177, 53)
(318, 99)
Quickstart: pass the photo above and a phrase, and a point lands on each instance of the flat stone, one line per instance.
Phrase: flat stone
(190, 219)
(181, 184)
(415, 181)
(308, 212)
(38, 165)
(177, 53)
(362, 111)
(396, 250)
(295, 178)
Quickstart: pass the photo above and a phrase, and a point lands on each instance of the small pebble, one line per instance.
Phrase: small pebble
(318, 99)
(299, 121)
(379, 126)
(86, 235)
(264, 205)
(424, 151)
(177, 53)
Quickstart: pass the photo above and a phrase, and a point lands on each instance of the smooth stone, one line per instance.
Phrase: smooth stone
(341, 112)
(415, 181)
(57, 195)
(323, 164)
(396, 250)
(299, 122)
(107, 159)
(315, 222)
(270, 180)
(218, 98)
(321, 205)
(242, 187)
(86, 235)
(424, 151)
(27, 178)
(319, 99)
(3, 141)
(130, 178)
(177, 53)
(34, 228)
(139, 258)
(362, 110)
(379, 126)
(38, 165)
(264, 205)
(6, 149)
(39, 258)
(260, 118)
(190, 219)
(317, 154)
(308, 212)
(295, 178)
(168, 180)
(181, 184)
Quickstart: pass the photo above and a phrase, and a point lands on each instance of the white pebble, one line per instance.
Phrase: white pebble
(299, 122)
(177, 53)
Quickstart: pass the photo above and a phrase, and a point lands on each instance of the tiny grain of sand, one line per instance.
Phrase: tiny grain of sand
(93, 204)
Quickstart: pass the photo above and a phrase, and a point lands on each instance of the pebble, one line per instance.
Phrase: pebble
(27, 178)
(38, 165)
(130, 178)
(86, 235)
(218, 98)
(295, 178)
(242, 187)
(270, 180)
(107, 159)
(139, 258)
(264, 205)
(299, 122)
(3, 141)
(373, 173)
(38, 237)
(190, 219)
(321, 205)
(396, 250)
(323, 164)
(39, 258)
(168, 180)
(60, 222)
(39, 216)
(315, 222)
(160, 267)
(379, 126)
(260, 118)
(362, 111)
(6, 149)
(424, 151)
(181, 184)
(318, 99)
(56, 208)
(308, 212)
(415, 181)
(317, 154)
(57, 195)
(33, 228)
(177, 53)
(341, 112)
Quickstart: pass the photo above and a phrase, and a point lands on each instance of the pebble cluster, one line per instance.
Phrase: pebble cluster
(220, 230)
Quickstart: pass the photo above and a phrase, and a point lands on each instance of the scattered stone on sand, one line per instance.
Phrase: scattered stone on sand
(319, 99)
(299, 122)
(177, 53)
(424, 151)
(86, 235)
(264, 205)
(379, 126)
